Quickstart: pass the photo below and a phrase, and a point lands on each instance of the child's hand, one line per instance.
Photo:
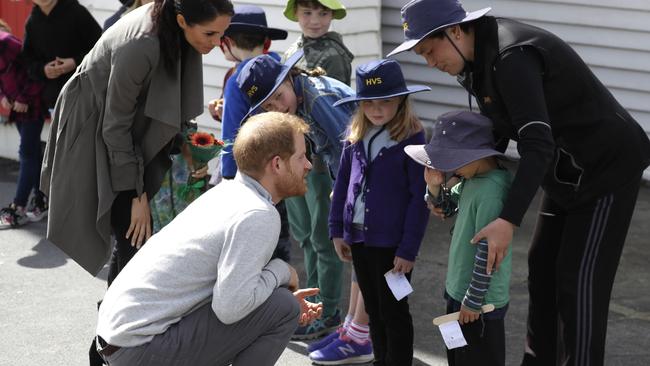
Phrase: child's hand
(6, 104)
(434, 179)
(402, 265)
(215, 107)
(436, 211)
(65, 65)
(342, 249)
(20, 107)
(200, 173)
(51, 70)
(467, 315)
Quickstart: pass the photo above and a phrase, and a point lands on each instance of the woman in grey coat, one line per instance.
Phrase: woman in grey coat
(114, 125)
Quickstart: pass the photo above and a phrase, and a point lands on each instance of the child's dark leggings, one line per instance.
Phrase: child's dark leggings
(571, 267)
(486, 339)
(391, 326)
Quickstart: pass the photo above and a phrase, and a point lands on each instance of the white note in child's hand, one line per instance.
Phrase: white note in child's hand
(398, 284)
(452, 334)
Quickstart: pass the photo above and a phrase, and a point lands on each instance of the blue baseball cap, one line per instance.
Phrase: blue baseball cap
(261, 77)
(381, 79)
(459, 138)
(421, 18)
(252, 19)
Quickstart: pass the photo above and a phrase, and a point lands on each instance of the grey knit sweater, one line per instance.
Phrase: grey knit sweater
(217, 250)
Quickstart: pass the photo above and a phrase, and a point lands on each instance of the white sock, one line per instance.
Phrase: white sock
(348, 320)
(358, 333)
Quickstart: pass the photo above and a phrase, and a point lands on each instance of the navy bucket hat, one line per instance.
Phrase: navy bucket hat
(252, 19)
(421, 18)
(261, 77)
(459, 138)
(381, 79)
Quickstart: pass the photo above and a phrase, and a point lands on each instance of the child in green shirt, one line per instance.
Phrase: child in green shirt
(462, 145)
(322, 47)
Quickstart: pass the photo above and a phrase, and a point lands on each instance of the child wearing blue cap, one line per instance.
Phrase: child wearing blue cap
(378, 218)
(463, 145)
(272, 86)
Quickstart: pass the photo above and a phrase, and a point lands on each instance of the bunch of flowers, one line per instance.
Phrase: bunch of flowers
(203, 147)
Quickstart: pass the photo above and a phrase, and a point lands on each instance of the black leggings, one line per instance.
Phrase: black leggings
(571, 267)
(122, 251)
(391, 325)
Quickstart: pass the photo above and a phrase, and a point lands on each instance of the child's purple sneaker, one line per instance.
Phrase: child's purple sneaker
(325, 341)
(341, 351)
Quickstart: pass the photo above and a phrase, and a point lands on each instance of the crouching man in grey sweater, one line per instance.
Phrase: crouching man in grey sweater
(203, 291)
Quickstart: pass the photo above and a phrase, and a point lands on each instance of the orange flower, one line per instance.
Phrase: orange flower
(202, 139)
(218, 142)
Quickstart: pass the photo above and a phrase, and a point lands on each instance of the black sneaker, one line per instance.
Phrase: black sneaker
(37, 210)
(12, 217)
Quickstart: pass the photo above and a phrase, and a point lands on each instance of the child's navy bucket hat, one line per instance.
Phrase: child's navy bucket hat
(421, 18)
(458, 138)
(252, 19)
(381, 79)
(261, 77)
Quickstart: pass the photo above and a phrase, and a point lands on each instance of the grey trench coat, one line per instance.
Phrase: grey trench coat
(111, 130)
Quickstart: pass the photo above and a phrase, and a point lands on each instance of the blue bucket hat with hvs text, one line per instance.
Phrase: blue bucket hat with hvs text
(261, 77)
(381, 79)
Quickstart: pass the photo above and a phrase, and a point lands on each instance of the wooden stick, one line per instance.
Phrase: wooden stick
(455, 316)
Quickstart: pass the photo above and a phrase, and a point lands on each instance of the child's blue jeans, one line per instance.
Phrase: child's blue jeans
(30, 160)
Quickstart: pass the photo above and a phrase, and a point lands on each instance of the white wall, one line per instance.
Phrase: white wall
(613, 37)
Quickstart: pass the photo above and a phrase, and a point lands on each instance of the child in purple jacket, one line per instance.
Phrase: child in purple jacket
(378, 217)
(21, 97)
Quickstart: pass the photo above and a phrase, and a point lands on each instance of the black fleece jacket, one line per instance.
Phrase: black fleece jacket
(68, 31)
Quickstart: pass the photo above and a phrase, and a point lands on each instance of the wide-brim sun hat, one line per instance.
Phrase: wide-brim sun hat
(261, 76)
(381, 79)
(338, 9)
(252, 19)
(458, 138)
(421, 18)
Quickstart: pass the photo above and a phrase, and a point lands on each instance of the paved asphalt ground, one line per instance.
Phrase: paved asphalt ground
(47, 302)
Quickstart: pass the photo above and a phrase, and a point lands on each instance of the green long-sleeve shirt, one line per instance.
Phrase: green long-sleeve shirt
(480, 200)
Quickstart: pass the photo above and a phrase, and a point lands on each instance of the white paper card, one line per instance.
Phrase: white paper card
(452, 334)
(398, 284)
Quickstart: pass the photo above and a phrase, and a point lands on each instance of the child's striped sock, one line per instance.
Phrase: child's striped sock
(348, 320)
(358, 333)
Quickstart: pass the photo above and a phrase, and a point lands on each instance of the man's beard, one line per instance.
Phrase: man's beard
(291, 185)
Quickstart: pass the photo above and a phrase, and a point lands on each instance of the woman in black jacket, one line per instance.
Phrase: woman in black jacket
(575, 141)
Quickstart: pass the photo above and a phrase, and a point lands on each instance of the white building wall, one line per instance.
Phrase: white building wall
(360, 30)
(613, 37)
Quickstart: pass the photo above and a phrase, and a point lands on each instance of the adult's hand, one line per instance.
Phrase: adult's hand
(6, 104)
(308, 310)
(140, 229)
(342, 249)
(294, 282)
(20, 107)
(498, 234)
(402, 265)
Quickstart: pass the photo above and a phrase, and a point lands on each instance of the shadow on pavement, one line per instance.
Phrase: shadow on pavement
(46, 255)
